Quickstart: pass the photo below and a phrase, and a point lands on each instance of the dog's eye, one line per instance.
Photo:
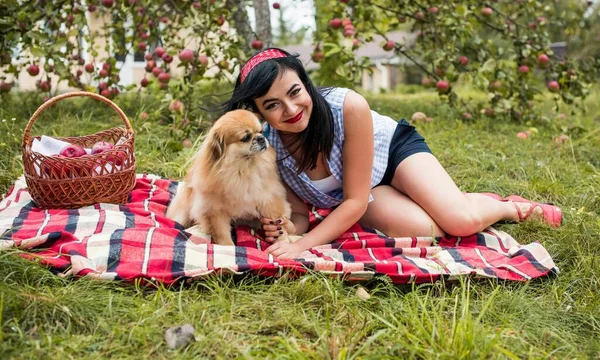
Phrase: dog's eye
(247, 138)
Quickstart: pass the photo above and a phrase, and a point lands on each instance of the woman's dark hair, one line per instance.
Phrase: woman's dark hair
(318, 135)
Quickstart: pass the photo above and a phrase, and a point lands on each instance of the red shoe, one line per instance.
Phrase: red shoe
(551, 215)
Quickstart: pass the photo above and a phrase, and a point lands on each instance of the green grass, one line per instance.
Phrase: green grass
(316, 317)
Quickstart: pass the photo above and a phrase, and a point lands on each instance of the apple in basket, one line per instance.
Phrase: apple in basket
(72, 151)
(101, 146)
(59, 170)
(55, 169)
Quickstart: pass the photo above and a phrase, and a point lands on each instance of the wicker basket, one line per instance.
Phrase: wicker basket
(59, 182)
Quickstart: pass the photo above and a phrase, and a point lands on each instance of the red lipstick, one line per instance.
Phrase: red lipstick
(296, 118)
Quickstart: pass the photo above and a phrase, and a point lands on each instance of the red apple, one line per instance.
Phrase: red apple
(164, 78)
(149, 57)
(103, 85)
(523, 69)
(151, 64)
(176, 106)
(442, 86)
(203, 60)
(186, 56)
(89, 68)
(107, 3)
(92, 8)
(318, 56)
(257, 44)
(72, 151)
(543, 61)
(467, 116)
(5, 87)
(346, 22)
(33, 70)
(144, 82)
(106, 93)
(335, 23)
(553, 86)
(486, 11)
(389, 45)
(220, 20)
(427, 82)
(522, 135)
(167, 58)
(433, 10)
(44, 85)
(276, 5)
(157, 71)
(159, 52)
(463, 60)
(101, 146)
(103, 73)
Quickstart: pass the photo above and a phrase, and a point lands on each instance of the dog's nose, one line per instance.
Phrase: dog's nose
(260, 139)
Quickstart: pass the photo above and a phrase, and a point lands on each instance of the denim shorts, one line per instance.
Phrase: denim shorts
(405, 142)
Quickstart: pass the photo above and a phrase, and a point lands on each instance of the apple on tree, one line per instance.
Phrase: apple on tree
(389, 45)
(442, 86)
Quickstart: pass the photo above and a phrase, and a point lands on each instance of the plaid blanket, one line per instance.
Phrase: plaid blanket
(135, 241)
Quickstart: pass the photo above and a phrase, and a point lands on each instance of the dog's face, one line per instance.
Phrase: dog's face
(237, 134)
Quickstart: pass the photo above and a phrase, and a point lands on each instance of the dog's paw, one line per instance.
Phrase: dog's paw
(198, 236)
(293, 238)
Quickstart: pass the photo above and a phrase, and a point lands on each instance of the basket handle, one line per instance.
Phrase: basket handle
(27, 137)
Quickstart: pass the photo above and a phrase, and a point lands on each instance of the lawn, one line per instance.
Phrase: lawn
(316, 317)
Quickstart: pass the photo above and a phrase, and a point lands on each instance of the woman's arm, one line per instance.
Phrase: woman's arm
(358, 152)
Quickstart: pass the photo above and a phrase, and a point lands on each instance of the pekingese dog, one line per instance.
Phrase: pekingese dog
(233, 177)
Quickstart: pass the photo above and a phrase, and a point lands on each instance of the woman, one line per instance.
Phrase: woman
(333, 151)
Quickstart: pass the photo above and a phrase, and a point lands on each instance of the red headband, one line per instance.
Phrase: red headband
(257, 59)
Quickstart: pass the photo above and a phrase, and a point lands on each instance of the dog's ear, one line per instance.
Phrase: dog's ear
(217, 146)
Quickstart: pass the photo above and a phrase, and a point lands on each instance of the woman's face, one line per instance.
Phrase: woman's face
(287, 106)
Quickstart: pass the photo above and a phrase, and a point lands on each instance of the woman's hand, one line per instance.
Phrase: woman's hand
(276, 229)
(285, 250)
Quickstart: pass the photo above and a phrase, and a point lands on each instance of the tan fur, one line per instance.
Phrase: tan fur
(231, 180)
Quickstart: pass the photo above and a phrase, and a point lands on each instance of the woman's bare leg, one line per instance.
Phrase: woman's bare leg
(427, 195)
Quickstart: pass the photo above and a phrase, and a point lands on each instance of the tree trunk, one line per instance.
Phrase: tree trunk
(241, 23)
(263, 22)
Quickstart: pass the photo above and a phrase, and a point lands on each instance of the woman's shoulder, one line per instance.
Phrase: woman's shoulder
(335, 96)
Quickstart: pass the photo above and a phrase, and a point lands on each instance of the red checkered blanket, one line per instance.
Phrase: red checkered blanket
(136, 241)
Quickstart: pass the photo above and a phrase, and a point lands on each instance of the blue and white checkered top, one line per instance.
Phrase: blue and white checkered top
(383, 128)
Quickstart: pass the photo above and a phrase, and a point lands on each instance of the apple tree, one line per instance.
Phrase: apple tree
(502, 47)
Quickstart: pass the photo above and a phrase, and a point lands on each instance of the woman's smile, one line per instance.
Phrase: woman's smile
(296, 118)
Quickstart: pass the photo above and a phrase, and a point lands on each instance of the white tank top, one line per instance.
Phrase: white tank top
(327, 184)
